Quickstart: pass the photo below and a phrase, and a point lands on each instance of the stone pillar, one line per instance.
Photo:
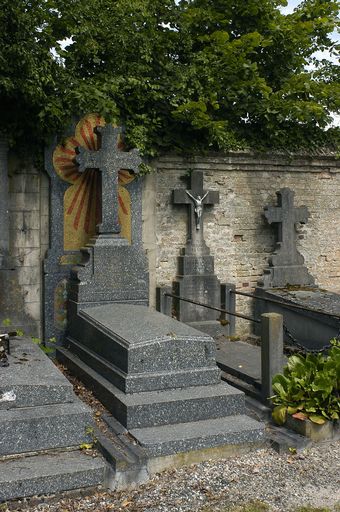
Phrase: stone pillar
(164, 303)
(4, 215)
(228, 302)
(271, 351)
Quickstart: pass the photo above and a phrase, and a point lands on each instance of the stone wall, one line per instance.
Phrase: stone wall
(21, 295)
(235, 230)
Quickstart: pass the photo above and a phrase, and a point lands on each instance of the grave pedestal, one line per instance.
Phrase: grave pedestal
(158, 377)
(288, 281)
(196, 279)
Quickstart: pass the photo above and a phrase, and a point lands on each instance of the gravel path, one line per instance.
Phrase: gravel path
(283, 482)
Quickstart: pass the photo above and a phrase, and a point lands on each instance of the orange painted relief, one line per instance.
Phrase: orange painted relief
(82, 200)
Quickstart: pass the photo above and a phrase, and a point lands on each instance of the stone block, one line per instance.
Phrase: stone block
(29, 276)
(311, 430)
(158, 407)
(31, 379)
(46, 427)
(48, 474)
(152, 381)
(23, 201)
(193, 436)
(138, 340)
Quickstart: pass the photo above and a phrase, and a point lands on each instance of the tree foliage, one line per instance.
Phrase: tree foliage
(194, 75)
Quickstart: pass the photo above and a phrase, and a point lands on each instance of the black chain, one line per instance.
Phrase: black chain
(293, 342)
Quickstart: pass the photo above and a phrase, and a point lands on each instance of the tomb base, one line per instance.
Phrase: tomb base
(312, 328)
(159, 380)
(283, 276)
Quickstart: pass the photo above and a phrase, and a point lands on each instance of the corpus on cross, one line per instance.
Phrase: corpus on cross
(198, 207)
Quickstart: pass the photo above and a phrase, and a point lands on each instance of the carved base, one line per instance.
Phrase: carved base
(281, 277)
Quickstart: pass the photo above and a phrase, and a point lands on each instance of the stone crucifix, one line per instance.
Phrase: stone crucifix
(286, 216)
(109, 160)
(196, 198)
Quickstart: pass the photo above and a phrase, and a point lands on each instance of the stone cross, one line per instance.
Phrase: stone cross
(109, 160)
(196, 198)
(286, 216)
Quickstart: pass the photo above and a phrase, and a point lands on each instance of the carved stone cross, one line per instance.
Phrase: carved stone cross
(196, 198)
(286, 216)
(109, 160)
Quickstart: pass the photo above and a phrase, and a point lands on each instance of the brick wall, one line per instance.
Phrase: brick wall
(235, 230)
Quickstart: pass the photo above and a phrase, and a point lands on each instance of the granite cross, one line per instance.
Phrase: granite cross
(109, 160)
(286, 216)
(196, 198)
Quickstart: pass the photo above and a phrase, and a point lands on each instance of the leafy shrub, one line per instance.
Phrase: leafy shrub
(309, 387)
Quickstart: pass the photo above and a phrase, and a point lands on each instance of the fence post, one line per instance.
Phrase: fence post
(228, 302)
(163, 302)
(271, 351)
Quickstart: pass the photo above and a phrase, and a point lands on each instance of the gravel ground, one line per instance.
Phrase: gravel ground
(283, 482)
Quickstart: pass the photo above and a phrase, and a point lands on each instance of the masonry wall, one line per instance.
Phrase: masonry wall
(28, 241)
(235, 230)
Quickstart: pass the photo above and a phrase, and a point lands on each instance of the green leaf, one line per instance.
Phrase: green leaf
(319, 420)
(279, 414)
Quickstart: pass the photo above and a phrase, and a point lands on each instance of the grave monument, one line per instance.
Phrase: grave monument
(287, 280)
(196, 279)
(157, 376)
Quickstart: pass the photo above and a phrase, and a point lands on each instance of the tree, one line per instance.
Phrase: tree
(198, 75)
(32, 81)
(248, 75)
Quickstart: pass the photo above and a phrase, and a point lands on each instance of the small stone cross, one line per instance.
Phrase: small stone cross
(286, 216)
(109, 160)
(196, 198)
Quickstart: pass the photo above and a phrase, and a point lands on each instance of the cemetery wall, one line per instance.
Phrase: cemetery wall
(236, 231)
(28, 242)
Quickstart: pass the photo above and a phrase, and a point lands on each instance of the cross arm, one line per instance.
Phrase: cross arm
(88, 159)
(301, 214)
(273, 214)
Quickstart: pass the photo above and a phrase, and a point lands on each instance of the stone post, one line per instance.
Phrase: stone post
(164, 302)
(271, 351)
(4, 215)
(228, 302)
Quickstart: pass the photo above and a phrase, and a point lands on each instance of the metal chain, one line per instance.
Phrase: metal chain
(293, 342)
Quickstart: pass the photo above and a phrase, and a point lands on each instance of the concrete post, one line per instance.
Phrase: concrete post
(163, 302)
(4, 206)
(271, 351)
(228, 302)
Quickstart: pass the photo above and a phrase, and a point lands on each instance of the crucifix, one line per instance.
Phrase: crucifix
(196, 198)
(286, 216)
(109, 160)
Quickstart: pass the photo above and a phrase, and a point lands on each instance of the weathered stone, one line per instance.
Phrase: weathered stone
(196, 279)
(286, 264)
(141, 345)
(32, 379)
(193, 436)
(47, 474)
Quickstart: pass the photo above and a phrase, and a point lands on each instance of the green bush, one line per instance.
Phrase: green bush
(309, 387)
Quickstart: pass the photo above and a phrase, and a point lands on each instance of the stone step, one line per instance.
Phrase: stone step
(31, 378)
(158, 407)
(199, 435)
(49, 473)
(139, 382)
(33, 429)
